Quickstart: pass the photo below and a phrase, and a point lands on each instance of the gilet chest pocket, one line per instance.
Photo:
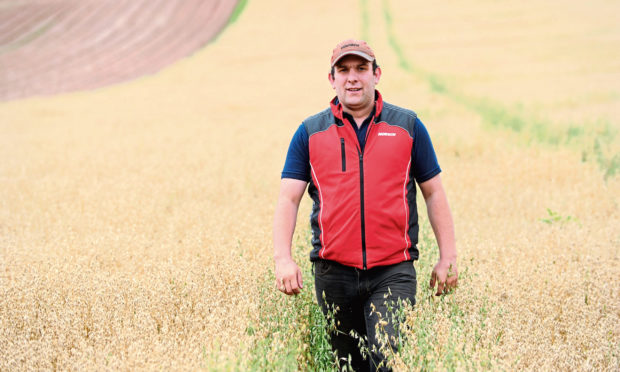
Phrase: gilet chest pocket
(343, 155)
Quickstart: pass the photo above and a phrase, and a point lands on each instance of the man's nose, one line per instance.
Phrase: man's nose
(352, 76)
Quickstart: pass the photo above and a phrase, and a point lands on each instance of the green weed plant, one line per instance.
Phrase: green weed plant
(449, 332)
(556, 218)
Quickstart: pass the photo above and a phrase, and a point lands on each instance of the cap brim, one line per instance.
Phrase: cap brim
(353, 52)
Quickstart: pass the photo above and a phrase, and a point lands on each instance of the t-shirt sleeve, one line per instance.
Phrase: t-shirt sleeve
(425, 165)
(297, 164)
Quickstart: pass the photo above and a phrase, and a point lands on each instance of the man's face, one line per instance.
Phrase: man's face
(354, 83)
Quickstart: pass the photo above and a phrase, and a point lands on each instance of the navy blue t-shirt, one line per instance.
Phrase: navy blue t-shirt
(425, 165)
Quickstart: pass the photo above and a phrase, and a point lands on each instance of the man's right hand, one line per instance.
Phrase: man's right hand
(288, 277)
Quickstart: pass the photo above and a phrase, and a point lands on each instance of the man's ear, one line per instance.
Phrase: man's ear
(331, 80)
(377, 75)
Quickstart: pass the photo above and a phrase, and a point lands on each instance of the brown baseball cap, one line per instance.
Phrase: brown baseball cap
(351, 46)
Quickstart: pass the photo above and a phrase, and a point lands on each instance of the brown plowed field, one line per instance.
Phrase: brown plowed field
(49, 47)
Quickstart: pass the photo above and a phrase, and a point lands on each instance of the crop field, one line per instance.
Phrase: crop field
(136, 219)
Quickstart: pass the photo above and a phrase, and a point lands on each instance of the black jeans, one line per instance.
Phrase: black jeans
(360, 299)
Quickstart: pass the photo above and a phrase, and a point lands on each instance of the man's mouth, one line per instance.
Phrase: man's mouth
(354, 89)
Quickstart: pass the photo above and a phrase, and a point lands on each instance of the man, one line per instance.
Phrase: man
(361, 158)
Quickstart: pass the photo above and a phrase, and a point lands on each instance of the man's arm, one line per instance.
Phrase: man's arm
(445, 272)
(288, 274)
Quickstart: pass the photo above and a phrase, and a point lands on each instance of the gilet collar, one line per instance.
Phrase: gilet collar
(336, 106)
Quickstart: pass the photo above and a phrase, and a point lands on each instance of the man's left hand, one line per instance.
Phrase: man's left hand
(446, 275)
